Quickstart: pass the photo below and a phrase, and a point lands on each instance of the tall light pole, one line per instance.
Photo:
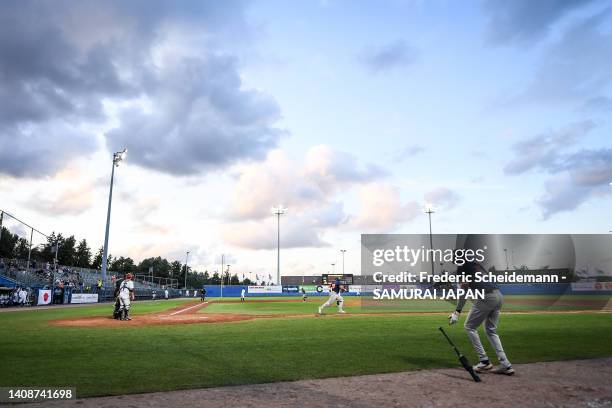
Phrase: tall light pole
(222, 268)
(506, 254)
(343, 252)
(30, 248)
(278, 210)
(333, 268)
(430, 210)
(117, 158)
(186, 268)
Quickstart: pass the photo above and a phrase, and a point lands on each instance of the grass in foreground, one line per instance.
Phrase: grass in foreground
(103, 361)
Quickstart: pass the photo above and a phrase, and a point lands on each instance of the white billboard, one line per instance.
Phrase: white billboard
(84, 298)
(266, 289)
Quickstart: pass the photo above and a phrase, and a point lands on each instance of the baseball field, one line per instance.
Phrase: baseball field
(184, 344)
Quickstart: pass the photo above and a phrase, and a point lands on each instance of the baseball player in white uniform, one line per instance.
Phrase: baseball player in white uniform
(334, 296)
(126, 295)
(242, 293)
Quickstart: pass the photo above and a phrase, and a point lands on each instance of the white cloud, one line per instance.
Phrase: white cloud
(382, 210)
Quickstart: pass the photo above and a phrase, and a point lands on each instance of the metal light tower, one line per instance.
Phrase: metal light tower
(343, 252)
(506, 254)
(222, 269)
(117, 158)
(278, 210)
(430, 210)
(186, 268)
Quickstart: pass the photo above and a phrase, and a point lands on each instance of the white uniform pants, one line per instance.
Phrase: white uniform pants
(334, 297)
(124, 303)
(486, 311)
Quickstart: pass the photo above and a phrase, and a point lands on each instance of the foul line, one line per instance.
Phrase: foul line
(189, 308)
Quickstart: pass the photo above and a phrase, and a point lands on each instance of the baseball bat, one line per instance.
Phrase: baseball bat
(462, 359)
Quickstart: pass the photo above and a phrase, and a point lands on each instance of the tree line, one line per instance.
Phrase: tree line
(78, 254)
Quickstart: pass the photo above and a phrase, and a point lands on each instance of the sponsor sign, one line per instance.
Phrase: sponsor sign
(355, 289)
(84, 298)
(266, 289)
(291, 288)
(322, 289)
(44, 296)
(591, 286)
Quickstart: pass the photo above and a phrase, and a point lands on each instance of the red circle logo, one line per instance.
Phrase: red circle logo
(46, 296)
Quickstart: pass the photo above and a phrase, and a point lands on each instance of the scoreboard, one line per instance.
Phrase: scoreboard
(346, 279)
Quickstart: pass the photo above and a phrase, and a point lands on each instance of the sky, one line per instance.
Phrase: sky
(354, 115)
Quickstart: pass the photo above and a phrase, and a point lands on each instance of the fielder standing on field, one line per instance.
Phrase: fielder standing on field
(334, 296)
(485, 311)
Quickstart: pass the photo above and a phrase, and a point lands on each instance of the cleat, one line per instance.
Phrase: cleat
(341, 311)
(320, 311)
(503, 370)
(483, 367)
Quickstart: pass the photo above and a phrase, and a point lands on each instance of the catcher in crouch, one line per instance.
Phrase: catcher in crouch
(126, 295)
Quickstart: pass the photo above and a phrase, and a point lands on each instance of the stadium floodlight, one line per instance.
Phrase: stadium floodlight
(343, 252)
(278, 211)
(186, 268)
(429, 209)
(117, 158)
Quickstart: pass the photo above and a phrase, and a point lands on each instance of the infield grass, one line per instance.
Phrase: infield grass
(105, 361)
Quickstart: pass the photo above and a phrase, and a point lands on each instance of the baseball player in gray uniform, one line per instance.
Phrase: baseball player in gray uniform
(485, 311)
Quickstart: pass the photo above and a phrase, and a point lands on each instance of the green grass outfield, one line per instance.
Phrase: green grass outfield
(512, 303)
(104, 361)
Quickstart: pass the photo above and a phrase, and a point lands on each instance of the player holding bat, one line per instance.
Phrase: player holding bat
(485, 311)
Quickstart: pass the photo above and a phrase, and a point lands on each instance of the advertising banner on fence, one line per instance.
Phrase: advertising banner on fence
(266, 289)
(44, 296)
(84, 298)
(591, 286)
(290, 288)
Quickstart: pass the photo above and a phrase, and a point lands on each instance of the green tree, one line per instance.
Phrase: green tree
(22, 249)
(234, 280)
(123, 265)
(97, 260)
(215, 280)
(48, 252)
(8, 242)
(175, 269)
(83, 255)
(161, 266)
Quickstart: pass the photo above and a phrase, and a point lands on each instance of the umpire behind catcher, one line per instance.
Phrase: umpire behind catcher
(485, 311)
